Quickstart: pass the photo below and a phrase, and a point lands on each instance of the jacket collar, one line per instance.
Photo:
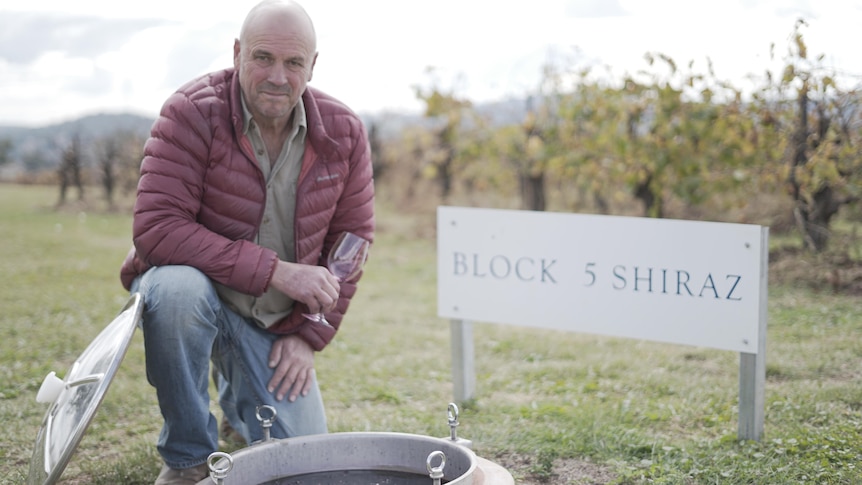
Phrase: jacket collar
(316, 134)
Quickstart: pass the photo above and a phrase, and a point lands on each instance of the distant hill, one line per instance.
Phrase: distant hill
(91, 126)
(40, 148)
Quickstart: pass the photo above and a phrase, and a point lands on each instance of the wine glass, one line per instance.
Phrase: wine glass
(345, 260)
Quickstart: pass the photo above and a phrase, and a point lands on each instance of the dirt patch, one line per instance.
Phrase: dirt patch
(821, 272)
(528, 470)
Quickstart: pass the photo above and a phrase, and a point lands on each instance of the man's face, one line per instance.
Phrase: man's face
(275, 63)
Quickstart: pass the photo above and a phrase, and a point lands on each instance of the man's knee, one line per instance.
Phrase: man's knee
(176, 290)
(174, 282)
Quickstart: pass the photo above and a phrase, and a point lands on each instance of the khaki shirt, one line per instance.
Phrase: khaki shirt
(277, 227)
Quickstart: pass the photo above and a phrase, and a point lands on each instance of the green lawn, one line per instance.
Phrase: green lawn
(638, 412)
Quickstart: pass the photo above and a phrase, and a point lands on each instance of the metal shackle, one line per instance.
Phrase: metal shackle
(266, 421)
(436, 473)
(219, 473)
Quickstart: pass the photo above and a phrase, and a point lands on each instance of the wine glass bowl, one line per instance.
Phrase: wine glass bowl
(344, 261)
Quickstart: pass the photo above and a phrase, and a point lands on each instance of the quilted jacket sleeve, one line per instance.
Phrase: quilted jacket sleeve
(167, 228)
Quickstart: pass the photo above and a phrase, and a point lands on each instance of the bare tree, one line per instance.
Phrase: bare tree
(378, 160)
(5, 151)
(70, 169)
(109, 153)
(130, 163)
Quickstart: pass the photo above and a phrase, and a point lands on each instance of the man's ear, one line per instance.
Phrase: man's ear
(311, 71)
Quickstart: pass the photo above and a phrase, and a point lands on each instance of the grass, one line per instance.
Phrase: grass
(640, 412)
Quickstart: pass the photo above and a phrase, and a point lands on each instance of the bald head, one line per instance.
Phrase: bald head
(275, 56)
(288, 13)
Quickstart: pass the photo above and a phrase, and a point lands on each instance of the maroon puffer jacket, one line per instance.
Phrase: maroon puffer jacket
(201, 193)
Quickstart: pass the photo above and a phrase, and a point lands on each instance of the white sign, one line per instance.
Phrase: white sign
(686, 282)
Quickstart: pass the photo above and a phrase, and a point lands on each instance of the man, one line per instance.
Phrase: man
(248, 178)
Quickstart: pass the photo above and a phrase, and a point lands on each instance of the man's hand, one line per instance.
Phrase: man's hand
(313, 285)
(293, 362)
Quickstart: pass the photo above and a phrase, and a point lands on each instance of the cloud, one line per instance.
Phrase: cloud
(196, 51)
(98, 82)
(27, 36)
(594, 8)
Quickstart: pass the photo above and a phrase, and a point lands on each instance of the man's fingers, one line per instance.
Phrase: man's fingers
(300, 382)
(292, 361)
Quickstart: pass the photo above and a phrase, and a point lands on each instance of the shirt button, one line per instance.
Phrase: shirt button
(260, 152)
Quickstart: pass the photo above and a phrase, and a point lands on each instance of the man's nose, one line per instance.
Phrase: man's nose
(278, 74)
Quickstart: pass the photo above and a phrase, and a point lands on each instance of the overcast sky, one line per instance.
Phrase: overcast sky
(61, 59)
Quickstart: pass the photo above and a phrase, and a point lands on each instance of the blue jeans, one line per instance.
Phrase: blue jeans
(186, 326)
